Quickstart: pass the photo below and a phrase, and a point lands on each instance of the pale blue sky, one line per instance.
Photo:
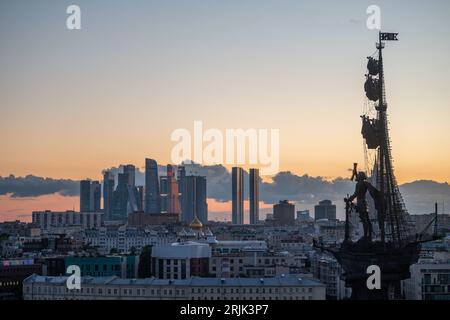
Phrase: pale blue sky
(80, 101)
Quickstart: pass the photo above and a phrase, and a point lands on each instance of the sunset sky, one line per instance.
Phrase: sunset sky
(76, 102)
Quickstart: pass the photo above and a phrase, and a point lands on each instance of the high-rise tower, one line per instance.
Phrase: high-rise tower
(152, 195)
(254, 195)
(108, 189)
(237, 195)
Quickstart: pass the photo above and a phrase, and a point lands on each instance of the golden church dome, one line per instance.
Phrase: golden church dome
(196, 224)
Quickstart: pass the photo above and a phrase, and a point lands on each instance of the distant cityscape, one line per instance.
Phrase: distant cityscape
(155, 242)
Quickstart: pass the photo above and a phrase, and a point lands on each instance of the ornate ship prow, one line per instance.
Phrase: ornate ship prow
(390, 241)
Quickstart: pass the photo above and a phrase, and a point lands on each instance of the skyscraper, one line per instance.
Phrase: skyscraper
(194, 202)
(237, 195)
(325, 210)
(254, 196)
(108, 189)
(119, 208)
(126, 197)
(284, 213)
(152, 195)
(181, 174)
(96, 197)
(90, 196)
(169, 192)
(129, 171)
(85, 195)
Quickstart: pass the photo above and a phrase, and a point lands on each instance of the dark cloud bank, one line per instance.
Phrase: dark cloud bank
(419, 196)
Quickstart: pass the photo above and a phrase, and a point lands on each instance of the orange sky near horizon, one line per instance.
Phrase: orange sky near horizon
(20, 208)
(73, 103)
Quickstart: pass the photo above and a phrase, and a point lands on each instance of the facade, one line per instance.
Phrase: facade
(90, 196)
(193, 199)
(129, 171)
(325, 210)
(430, 278)
(170, 201)
(181, 260)
(52, 242)
(85, 195)
(120, 266)
(257, 264)
(12, 273)
(108, 190)
(284, 213)
(152, 195)
(126, 197)
(142, 219)
(124, 239)
(237, 195)
(112, 288)
(326, 269)
(254, 196)
(303, 216)
(52, 220)
(96, 196)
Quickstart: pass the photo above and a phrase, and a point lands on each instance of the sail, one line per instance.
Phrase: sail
(372, 88)
(390, 214)
(369, 132)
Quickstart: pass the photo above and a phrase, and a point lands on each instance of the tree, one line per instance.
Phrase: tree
(145, 263)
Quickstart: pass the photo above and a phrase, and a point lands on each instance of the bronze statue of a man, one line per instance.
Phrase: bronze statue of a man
(362, 186)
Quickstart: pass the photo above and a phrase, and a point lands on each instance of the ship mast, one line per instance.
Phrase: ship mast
(392, 207)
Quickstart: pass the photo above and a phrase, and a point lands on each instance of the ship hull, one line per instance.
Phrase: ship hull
(394, 263)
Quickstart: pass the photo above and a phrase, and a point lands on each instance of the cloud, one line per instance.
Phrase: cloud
(306, 191)
(32, 186)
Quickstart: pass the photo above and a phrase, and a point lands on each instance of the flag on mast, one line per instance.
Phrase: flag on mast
(388, 36)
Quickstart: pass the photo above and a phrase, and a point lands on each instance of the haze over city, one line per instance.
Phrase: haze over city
(76, 103)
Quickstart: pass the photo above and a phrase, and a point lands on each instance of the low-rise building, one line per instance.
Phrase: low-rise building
(181, 260)
(51, 221)
(124, 239)
(430, 278)
(12, 273)
(103, 266)
(112, 288)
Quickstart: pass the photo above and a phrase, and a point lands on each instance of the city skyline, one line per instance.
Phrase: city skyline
(277, 70)
(255, 154)
(272, 77)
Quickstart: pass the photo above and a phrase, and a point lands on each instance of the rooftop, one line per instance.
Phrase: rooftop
(192, 282)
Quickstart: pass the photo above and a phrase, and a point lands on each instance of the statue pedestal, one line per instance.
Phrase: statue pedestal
(394, 263)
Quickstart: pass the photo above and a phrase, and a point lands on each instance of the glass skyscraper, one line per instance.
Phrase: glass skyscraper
(90, 196)
(237, 195)
(108, 189)
(152, 194)
(193, 197)
(254, 196)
